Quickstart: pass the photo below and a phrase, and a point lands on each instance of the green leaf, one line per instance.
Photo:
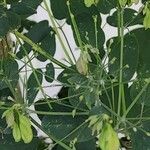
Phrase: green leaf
(11, 1)
(42, 105)
(61, 126)
(82, 89)
(8, 21)
(8, 143)
(140, 140)
(25, 8)
(136, 87)
(98, 110)
(77, 98)
(14, 20)
(131, 17)
(109, 97)
(50, 73)
(4, 26)
(44, 36)
(130, 57)
(105, 6)
(4, 93)
(86, 27)
(60, 9)
(143, 39)
(66, 74)
(33, 84)
(8, 73)
(48, 44)
(26, 24)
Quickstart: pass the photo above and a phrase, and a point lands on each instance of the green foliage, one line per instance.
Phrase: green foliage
(130, 57)
(9, 73)
(104, 92)
(33, 85)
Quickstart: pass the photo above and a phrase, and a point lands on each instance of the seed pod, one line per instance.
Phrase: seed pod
(16, 132)
(108, 139)
(146, 12)
(88, 3)
(82, 64)
(9, 115)
(25, 129)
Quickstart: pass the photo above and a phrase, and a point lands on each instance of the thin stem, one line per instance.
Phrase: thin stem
(34, 71)
(136, 99)
(96, 32)
(58, 113)
(51, 136)
(76, 129)
(123, 100)
(38, 49)
(121, 32)
(56, 31)
(68, 44)
(75, 27)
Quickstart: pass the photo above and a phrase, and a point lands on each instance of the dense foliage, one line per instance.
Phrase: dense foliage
(106, 91)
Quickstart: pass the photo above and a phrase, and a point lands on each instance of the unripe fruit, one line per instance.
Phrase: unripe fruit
(16, 132)
(25, 129)
(88, 3)
(108, 139)
(82, 65)
(9, 115)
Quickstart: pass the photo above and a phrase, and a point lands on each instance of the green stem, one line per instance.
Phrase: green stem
(58, 113)
(141, 118)
(121, 32)
(51, 136)
(72, 132)
(96, 31)
(123, 100)
(75, 27)
(56, 31)
(136, 99)
(34, 72)
(38, 49)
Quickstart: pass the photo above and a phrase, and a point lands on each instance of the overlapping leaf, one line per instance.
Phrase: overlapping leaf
(44, 36)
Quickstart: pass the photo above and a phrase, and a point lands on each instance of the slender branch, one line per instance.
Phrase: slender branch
(38, 49)
(58, 113)
(121, 32)
(51, 136)
(57, 33)
(136, 99)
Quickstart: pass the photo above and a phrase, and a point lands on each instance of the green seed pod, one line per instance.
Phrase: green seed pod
(16, 132)
(88, 3)
(108, 139)
(82, 65)
(9, 115)
(25, 129)
(146, 12)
